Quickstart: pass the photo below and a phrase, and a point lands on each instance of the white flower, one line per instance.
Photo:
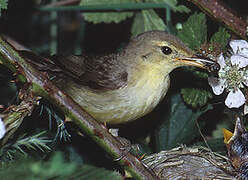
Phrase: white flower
(2, 129)
(233, 74)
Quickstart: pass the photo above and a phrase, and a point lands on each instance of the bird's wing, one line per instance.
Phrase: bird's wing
(98, 73)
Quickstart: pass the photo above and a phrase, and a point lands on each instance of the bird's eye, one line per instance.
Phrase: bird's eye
(166, 50)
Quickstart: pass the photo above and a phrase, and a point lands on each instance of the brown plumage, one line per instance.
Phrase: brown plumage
(99, 73)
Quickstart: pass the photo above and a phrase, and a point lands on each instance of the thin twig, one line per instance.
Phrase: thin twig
(107, 7)
(204, 139)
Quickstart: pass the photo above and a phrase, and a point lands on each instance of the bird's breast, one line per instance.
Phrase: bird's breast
(122, 105)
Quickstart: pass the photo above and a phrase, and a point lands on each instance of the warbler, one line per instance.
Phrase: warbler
(121, 87)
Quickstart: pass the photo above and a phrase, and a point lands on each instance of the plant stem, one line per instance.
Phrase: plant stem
(107, 7)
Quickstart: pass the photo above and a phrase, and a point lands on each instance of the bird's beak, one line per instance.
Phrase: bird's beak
(199, 61)
(236, 146)
(239, 129)
(227, 135)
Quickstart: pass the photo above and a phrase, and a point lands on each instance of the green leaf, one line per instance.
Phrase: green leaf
(221, 37)
(55, 168)
(179, 126)
(173, 5)
(3, 5)
(147, 20)
(106, 17)
(194, 31)
(34, 142)
(195, 97)
(93, 173)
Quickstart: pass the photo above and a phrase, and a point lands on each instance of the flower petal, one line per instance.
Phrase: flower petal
(239, 60)
(218, 85)
(244, 52)
(235, 99)
(2, 129)
(238, 45)
(221, 61)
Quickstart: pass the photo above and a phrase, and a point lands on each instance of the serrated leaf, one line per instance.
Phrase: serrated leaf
(194, 31)
(147, 20)
(221, 37)
(106, 17)
(173, 5)
(179, 126)
(195, 97)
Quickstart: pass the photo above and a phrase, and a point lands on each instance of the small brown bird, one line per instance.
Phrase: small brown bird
(122, 87)
(237, 147)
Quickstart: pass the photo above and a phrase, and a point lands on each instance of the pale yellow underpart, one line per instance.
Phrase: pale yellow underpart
(138, 98)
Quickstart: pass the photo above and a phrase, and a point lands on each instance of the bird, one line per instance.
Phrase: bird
(121, 87)
(237, 148)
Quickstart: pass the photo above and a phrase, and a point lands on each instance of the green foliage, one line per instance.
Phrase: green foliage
(147, 20)
(3, 5)
(221, 37)
(37, 141)
(173, 5)
(194, 31)
(179, 126)
(195, 97)
(56, 168)
(106, 17)
(62, 133)
(33, 142)
(194, 34)
(199, 74)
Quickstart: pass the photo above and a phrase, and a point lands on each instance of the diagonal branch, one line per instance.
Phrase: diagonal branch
(41, 86)
(219, 11)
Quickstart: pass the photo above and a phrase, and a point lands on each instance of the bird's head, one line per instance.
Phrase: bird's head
(161, 52)
(237, 147)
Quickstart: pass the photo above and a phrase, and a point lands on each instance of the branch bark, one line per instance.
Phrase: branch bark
(220, 12)
(41, 86)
